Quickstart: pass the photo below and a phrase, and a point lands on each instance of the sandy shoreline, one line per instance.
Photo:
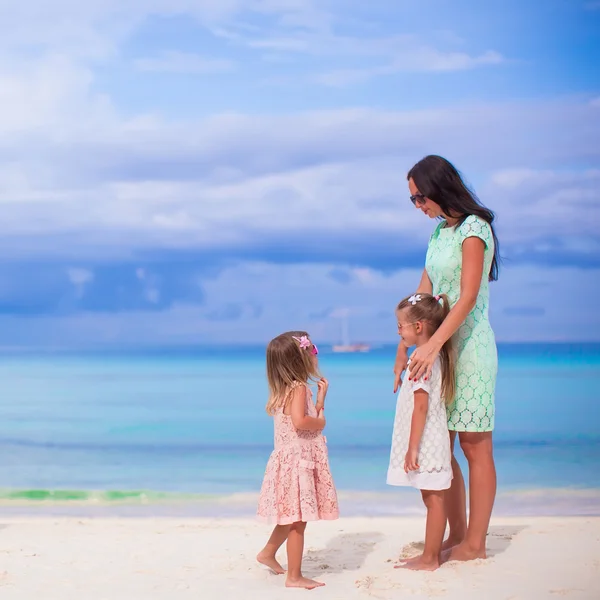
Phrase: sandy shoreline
(394, 502)
(169, 558)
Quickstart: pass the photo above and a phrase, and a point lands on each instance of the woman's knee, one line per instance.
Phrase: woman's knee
(476, 446)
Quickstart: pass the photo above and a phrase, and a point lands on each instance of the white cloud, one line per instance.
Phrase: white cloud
(385, 56)
(184, 63)
(231, 178)
(229, 183)
(49, 97)
(417, 60)
(558, 204)
(286, 295)
(83, 178)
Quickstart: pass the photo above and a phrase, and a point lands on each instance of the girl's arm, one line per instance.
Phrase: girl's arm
(417, 425)
(472, 269)
(298, 412)
(322, 387)
(425, 287)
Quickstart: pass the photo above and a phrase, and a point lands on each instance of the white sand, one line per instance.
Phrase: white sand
(168, 558)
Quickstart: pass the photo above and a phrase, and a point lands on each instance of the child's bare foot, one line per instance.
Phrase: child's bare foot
(271, 562)
(463, 553)
(420, 563)
(303, 582)
(407, 560)
(450, 543)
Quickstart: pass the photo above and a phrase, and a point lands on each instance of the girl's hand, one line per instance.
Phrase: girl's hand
(410, 460)
(399, 368)
(322, 387)
(321, 416)
(421, 361)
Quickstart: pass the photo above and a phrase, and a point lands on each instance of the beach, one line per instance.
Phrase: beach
(178, 558)
(135, 477)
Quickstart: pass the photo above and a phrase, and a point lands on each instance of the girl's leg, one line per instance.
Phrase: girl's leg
(482, 492)
(456, 503)
(267, 555)
(295, 549)
(434, 532)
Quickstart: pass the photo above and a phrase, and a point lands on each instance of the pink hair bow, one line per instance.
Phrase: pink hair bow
(303, 341)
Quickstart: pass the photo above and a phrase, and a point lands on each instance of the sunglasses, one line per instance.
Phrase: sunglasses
(418, 199)
(314, 350)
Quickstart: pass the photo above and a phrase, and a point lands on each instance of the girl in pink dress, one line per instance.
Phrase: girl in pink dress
(298, 486)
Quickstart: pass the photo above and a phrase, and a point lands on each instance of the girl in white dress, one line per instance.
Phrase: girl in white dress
(420, 456)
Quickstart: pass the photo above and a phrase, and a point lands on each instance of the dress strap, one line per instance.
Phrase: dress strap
(290, 391)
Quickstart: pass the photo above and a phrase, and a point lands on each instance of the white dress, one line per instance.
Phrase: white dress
(434, 459)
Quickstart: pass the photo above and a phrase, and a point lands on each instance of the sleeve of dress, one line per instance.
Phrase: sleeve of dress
(419, 384)
(474, 226)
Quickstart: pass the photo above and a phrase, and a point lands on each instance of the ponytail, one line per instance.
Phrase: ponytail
(447, 358)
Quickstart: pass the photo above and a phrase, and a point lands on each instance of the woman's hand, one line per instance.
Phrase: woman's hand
(421, 361)
(322, 387)
(400, 366)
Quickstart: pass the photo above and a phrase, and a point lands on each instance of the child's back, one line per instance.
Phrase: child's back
(298, 485)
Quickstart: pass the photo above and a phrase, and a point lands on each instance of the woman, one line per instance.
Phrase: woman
(462, 258)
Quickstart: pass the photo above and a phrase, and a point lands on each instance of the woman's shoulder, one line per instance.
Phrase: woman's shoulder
(475, 226)
(471, 220)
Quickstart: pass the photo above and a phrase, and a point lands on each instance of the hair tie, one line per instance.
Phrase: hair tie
(438, 297)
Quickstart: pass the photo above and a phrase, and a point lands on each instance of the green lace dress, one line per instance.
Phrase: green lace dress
(477, 358)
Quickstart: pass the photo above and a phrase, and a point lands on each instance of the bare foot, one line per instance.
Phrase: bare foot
(420, 564)
(462, 553)
(303, 582)
(271, 562)
(407, 560)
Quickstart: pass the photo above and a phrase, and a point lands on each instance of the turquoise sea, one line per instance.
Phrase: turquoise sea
(185, 431)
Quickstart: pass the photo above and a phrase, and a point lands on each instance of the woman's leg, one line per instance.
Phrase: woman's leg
(295, 549)
(456, 503)
(267, 555)
(434, 533)
(482, 492)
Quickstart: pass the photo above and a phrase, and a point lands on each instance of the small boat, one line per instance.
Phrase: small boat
(351, 347)
(346, 346)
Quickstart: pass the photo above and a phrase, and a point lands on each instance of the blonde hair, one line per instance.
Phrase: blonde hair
(287, 363)
(433, 310)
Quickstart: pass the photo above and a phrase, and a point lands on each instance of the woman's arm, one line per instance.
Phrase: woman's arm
(425, 285)
(472, 270)
(298, 412)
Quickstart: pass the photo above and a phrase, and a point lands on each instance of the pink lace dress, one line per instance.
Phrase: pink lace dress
(298, 485)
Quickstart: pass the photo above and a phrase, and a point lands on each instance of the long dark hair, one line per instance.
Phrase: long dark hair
(438, 179)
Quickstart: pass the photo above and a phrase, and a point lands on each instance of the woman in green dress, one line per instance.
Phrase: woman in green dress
(462, 258)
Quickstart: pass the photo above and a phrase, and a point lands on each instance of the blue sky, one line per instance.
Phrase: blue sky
(216, 171)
